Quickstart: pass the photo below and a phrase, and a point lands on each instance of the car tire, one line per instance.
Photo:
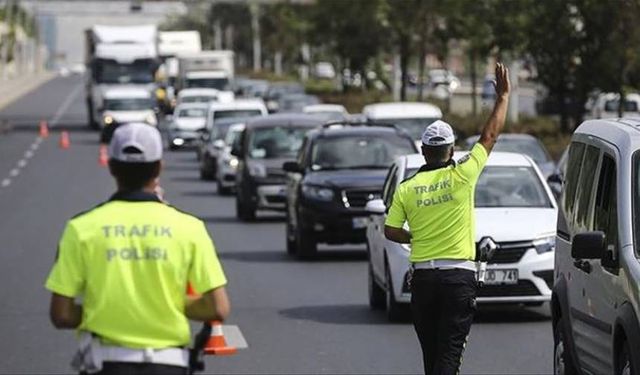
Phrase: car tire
(290, 236)
(222, 190)
(562, 360)
(306, 245)
(395, 311)
(377, 297)
(624, 365)
(205, 171)
(244, 211)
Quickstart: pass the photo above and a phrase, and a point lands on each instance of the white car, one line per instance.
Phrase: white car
(128, 104)
(227, 163)
(198, 95)
(241, 108)
(606, 106)
(187, 123)
(411, 117)
(328, 111)
(514, 207)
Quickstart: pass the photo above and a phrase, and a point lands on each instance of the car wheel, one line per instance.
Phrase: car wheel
(395, 311)
(624, 361)
(244, 212)
(205, 170)
(562, 359)
(290, 236)
(377, 297)
(222, 190)
(306, 245)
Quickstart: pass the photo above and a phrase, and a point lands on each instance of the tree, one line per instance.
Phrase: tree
(285, 28)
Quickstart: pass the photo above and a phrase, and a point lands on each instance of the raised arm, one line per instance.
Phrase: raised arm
(495, 123)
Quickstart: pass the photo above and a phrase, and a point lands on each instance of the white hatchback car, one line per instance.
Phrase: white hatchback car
(514, 207)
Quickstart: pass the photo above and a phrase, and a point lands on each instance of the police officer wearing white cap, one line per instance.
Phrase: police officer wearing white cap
(437, 203)
(131, 259)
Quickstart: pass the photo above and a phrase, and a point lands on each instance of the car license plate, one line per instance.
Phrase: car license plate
(498, 276)
(360, 222)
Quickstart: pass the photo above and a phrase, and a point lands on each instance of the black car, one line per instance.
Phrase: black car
(265, 144)
(277, 90)
(212, 144)
(338, 170)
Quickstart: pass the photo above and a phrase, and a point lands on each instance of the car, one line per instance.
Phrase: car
(510, 192)
(442, 83)
(126, 104)
(265, 144)
(324, 70)
(556, 179)
(296, 102)
(340, 168)
(203, 95)
(251, 88)
(240, 108)
(276, 90)
(521, 143)
(412, 117)
(213, 146)
(595, 304)
(328, 111)
(186, 125)
(227, 163)
(606, 105)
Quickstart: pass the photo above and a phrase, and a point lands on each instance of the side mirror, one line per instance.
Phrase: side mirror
(588, 245)
(236, 150)
(219, 144)
(375, 206)
(555, 179)
(292, 167)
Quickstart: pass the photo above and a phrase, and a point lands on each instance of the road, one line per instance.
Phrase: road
(298, 317)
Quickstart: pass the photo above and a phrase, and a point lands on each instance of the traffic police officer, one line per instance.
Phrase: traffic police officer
(438, 205)
(130, 259)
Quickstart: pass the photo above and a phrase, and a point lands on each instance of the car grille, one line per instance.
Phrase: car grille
(522, 288)
(359, 198)
(510, 252)
(272, 199)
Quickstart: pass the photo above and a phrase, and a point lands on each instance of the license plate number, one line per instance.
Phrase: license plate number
(360, 222)
(493, 277)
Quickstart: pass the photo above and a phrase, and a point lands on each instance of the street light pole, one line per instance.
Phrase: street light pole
(255, 29)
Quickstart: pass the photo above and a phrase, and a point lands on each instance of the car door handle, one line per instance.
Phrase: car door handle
(582, 265)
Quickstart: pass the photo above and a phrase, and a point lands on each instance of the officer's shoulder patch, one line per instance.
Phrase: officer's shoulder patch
(464, 159)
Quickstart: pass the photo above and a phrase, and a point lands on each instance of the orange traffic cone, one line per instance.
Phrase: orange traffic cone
(103, 157)
(217, 345)
(44, 129)
(64, 140)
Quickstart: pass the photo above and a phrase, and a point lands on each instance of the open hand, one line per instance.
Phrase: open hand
(502, 84)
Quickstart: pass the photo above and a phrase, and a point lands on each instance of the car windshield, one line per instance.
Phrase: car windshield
(232, 135)
(414, 126)
(221, 127)
(128, 104)
(233, 113)
(113, 72)
(208, 83)
(197, 99)
(529, 147)
(193, 112)
(510, 187)
(358, 151)
(276, 143)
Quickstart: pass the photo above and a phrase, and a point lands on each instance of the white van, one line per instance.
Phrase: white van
(128, 104)
(409, 116)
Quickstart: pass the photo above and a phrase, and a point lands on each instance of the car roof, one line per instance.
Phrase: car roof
(238, 104)
(336, 131)
(496, 159)
(401, 110)
(192, 105)
(285, 119)
(505, 136)
(624, 132)
(324, 108)
(127, 92)
(197, 91)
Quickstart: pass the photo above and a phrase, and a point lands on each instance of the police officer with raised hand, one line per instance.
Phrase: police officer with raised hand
(438, 205)
(130, 260)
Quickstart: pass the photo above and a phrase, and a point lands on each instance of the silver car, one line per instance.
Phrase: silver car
(596, 294)
(227, 163)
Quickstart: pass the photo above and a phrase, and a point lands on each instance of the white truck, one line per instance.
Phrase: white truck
(172, 45)
(118, 55)
(207, 69)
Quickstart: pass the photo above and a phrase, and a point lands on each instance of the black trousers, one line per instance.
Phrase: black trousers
(125, 368)
(443, 303)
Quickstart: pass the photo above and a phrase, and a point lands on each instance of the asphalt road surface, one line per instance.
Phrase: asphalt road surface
(298, 317)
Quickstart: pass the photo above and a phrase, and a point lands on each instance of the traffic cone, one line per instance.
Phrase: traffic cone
(217, 345)
(103, 157)
(64, 140)
(44, 129)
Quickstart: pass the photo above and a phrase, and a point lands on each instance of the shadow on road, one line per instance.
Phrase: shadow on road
(338, 314)
(511, 314)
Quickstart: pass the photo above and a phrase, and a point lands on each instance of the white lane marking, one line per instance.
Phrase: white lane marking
(234, 337)
(35, 146)
(22, 163)
(6, 182)
(29, 154)
(14, 172)
(65, 105)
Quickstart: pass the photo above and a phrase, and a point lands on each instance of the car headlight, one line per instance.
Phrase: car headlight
(151, 119)
(317, 193)
(257, 170)
(233, 162)
(545, 244)
(108, 120)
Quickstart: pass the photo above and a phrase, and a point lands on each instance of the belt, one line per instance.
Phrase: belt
(445, 264)
(169, 356)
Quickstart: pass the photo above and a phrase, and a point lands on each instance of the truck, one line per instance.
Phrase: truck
(207, 69)
(118, 55)
(172, 45)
